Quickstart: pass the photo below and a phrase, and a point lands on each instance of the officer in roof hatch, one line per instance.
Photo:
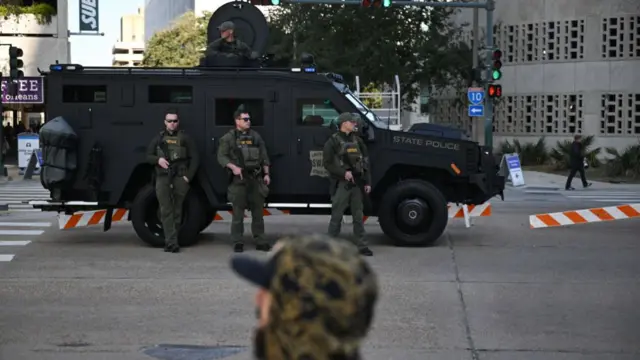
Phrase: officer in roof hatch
(176, 158)
(346, 158)
(227, 45)
(244, 154)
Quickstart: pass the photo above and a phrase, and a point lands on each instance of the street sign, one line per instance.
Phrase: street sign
(476, 110)
(475, 95)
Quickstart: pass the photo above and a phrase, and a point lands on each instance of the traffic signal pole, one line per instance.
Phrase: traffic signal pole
(488, 5)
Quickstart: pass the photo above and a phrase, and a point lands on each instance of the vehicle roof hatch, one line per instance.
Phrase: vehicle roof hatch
(251, 25)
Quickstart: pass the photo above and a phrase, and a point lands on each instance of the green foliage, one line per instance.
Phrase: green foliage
(181, 45)
(43, 12)
(626, 163)
(375, 44)
(372, 100)
(529, 153)
(562, 153)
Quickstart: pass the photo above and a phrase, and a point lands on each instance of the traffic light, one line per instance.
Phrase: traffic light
(15, 63)
(496, 74)
(495, 91)
(376, 3)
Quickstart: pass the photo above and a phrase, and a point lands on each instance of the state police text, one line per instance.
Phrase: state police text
(425, 142)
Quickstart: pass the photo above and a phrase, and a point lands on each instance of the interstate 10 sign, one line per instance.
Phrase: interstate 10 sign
(475, 95)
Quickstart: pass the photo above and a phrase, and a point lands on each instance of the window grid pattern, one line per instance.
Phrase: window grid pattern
(621, 37)
(540, 41)
(620, 114)
(539, 114)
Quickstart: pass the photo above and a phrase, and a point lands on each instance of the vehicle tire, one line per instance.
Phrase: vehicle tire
(413, 213)
(146, 220)
(208, 214)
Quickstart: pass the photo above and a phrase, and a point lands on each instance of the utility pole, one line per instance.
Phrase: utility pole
(475, 127)
(488, 5)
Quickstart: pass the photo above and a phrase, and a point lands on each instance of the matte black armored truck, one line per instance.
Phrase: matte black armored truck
(100, 121)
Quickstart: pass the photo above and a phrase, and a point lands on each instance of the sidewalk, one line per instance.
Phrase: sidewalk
(13, 173)
(545, 181)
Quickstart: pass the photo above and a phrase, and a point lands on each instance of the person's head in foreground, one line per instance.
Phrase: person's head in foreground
(315, 300)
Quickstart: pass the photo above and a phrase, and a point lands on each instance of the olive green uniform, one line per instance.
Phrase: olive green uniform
(345, 194)
(246, 150)
(171, 189)
(229, 48)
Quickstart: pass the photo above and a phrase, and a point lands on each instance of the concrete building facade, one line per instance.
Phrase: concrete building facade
(129, 49)
(569, 67)
(43, 41)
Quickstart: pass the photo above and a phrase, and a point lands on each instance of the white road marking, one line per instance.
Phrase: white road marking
(14, 242)
(25, 224)
(21, 232)
(6, 257)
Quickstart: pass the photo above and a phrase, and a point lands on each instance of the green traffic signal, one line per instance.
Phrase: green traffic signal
(275, 2)
(386, 3)
(496, 74)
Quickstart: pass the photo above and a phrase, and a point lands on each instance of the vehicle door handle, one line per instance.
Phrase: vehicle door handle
(299, 146)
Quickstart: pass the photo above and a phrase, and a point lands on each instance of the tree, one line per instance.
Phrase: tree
(181, 45)
(417, 44)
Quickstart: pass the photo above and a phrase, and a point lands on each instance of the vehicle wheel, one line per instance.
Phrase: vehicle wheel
(413, 213)
(207, 217)
(145, 217)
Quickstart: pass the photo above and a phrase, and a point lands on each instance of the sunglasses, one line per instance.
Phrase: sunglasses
(246, 118)
(172, 121)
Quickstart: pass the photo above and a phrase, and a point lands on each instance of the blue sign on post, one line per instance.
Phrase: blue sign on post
(476, 110)
(475, 95)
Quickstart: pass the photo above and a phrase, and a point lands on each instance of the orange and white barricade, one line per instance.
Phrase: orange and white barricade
(90, 218)
(574, 217)
(97, 217)
(467, 212)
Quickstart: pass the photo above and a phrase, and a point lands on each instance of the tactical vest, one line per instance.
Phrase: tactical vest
(177, 151)
(350, 149)
(249, 149)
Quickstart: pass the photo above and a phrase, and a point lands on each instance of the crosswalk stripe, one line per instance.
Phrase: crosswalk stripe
(14, 242)
(6, 257)
(21, 232)
(25, 224)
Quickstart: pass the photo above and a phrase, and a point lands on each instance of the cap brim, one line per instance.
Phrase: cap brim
(256, 271)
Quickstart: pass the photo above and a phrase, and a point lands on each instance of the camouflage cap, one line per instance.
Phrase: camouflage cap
(344, 117)
(227, 25)
(324, 294)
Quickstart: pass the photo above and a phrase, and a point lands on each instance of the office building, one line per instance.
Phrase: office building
(570, 67)
(129, 49)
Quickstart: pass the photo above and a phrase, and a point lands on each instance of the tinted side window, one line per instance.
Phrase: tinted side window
(84, 93)
(170, 94)
(316, 112)
(226, 107)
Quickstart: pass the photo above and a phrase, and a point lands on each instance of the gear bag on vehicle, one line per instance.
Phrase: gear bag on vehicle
(59, 143)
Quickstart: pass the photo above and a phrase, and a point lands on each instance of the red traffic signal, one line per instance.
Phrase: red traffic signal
(375, 3)
(495, 91)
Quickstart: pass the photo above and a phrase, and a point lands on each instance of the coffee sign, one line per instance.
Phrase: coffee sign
(30, 90)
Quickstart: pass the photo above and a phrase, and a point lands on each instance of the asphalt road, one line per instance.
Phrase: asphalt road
(496, 291)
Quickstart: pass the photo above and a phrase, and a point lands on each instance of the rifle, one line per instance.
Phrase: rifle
(358, 178)
(171, 170)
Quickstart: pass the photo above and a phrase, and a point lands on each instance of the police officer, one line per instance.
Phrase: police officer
(228, 45)
(346, 158)
(176, 158)
(243, 152)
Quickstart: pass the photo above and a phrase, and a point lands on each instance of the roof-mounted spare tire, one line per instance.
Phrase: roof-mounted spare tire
(251, 25)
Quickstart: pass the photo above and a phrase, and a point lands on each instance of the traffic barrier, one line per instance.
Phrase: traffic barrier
(90, 218)
(575, 217)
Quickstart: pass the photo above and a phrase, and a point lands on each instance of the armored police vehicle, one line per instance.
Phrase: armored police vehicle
(101, 120)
